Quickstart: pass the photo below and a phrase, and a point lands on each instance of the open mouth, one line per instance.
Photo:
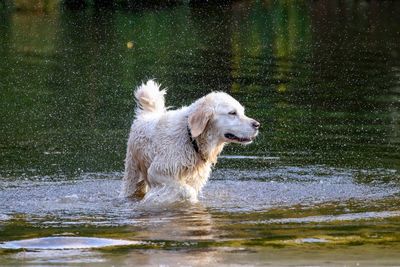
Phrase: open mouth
(233, 137)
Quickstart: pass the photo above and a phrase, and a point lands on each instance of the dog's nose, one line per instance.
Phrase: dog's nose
(255, 124)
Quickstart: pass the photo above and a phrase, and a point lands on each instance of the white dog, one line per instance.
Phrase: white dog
(171, 152)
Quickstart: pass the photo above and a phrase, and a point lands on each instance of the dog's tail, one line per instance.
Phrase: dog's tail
(149, 98)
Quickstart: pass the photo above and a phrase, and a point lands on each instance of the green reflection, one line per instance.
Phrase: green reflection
(324, 87)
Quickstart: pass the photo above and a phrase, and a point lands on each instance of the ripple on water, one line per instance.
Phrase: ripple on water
(333, 218)
(94, 198)
(66, 242)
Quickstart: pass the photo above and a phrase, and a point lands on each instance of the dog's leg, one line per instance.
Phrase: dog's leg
(133, 183)
(168, 188)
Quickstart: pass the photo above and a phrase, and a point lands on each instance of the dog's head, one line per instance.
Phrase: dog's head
(224, 116)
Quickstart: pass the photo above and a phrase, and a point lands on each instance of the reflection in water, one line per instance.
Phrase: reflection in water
(59, 257)
(187, 222)
(325, 89)
(205, 257)
(64, 242)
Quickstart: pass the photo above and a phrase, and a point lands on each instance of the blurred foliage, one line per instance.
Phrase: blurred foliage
(51, 6)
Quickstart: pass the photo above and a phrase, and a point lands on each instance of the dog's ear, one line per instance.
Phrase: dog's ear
(198, 120)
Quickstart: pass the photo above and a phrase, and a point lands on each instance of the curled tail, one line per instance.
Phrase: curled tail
(149, 98)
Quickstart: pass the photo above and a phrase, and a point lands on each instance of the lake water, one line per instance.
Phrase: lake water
(319, 186)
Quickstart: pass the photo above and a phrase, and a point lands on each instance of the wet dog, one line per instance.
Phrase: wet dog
(170, 152)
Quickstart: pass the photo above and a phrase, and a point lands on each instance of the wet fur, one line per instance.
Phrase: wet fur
(160, 158)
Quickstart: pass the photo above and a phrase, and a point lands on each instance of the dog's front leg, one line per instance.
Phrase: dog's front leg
(166, 186)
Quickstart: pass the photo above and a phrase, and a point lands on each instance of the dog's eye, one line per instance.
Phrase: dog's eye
(232, 113)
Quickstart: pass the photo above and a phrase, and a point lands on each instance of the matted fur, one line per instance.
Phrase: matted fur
(160, 156)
